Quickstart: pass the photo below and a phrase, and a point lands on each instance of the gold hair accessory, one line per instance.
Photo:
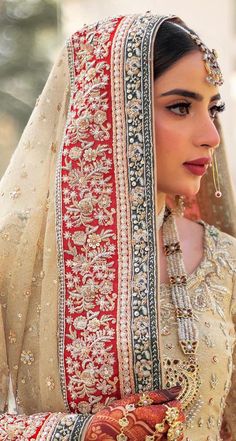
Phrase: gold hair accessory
(214, 74)
(145, 400)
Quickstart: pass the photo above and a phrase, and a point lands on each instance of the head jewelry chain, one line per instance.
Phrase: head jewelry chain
(214, 74)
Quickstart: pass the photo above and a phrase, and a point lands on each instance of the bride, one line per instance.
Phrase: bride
(117, 285)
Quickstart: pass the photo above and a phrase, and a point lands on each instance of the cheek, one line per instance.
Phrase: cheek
(168, 137)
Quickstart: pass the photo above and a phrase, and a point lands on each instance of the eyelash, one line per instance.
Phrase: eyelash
(217, 108)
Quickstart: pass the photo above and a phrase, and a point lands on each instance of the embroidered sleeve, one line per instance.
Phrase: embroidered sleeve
(229, 422)
(43, 427)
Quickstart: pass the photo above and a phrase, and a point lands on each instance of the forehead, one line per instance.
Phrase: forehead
(188, 72)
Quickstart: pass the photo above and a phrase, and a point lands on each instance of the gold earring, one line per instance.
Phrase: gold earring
(179, 205)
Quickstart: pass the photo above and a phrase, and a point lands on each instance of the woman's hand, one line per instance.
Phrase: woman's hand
(140, 417)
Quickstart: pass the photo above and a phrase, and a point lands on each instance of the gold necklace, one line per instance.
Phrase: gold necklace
(187, 330)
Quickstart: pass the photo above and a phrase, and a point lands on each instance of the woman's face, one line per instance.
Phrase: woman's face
(185, 106)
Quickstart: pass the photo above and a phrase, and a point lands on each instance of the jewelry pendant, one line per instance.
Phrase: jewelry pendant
(123, 422)
(145, 400)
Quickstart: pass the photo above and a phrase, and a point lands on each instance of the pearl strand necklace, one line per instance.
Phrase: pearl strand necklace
(160, 218)
(187, 331)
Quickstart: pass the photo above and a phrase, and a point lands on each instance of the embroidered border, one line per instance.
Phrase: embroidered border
(23, 427)
(64, 428)
(48, 428)
(86, 231)
(147, 69)
(120, 161)
(141, 187)
(79, 427)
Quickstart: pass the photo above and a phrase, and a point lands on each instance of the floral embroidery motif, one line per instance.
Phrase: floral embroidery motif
(23, 427)
(50, 383)
(168, 319)
(12, 337)
(27, 357)
(208, 294)
(15, 193)
(89, 230)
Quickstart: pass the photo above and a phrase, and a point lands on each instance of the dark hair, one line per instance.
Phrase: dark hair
(171, 44)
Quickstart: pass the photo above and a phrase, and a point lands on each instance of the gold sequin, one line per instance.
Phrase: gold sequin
(50, 383)
(27, 293)
(211, 422)
(12, 337)
(213, 381)
(15, 193)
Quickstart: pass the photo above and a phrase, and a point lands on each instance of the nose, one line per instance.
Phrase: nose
(206, 134)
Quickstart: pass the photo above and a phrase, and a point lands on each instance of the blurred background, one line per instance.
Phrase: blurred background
(32, 32)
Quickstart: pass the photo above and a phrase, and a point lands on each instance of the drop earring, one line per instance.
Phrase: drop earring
(179, 205)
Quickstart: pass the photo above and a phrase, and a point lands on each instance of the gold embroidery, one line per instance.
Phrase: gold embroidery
(185, 373)
(12, 337)
(27, 357)
(15, 194)
(50, 383)
(20, 426)
(88, 228)
(213, 381)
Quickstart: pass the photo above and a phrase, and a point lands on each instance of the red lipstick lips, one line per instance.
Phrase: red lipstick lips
(198, 166)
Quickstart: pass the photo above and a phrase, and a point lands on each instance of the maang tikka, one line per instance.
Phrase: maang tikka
(214, 74)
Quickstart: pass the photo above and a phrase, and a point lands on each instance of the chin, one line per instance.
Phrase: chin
(187, 191)
(184, 187)
(190, 193)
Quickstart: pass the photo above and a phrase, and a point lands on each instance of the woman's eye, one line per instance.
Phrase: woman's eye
(216, 109)
(180, 109)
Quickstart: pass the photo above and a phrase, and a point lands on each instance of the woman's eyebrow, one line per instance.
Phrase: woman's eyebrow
(187, 93)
